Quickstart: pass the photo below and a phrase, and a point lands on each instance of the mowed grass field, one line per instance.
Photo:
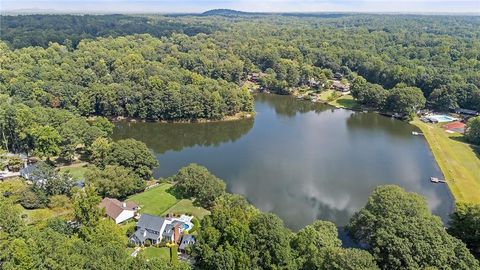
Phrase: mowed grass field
(346, 102)
(155, 201)
(158, 201)
(459, 161)
(75, 171)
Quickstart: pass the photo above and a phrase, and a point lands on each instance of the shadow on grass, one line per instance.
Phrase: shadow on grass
(475, 148)
(175, 193)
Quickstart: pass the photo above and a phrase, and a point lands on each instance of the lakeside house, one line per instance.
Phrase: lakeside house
(339, 86)
(155, 229)
(117, 210)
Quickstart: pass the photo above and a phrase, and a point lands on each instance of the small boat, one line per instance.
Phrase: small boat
(417, 133)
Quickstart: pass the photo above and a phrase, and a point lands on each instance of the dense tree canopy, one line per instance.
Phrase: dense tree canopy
(197, 182)
(472, 130)
(401, 233)
(465, 225)
(188, 77)
(115, 181)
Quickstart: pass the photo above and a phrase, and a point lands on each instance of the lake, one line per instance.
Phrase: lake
(299, 160)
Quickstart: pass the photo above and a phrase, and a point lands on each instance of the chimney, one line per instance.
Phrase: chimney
(144, 233)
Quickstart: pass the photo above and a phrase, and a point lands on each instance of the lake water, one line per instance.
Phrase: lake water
(299, 160)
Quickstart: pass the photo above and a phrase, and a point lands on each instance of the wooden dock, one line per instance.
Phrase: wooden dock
(436, 180)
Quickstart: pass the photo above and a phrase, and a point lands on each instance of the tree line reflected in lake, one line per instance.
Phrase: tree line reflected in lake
(300, 160)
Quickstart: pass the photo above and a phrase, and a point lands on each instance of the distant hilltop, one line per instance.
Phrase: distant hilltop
(227, 12)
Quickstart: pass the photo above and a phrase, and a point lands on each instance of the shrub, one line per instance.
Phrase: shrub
(15, 164)
(33, 199)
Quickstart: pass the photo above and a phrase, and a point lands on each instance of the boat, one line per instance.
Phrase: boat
(417, 133)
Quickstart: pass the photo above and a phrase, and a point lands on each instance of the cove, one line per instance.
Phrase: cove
(299, 160)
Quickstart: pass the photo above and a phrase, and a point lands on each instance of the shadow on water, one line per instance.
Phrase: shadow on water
(162, 137)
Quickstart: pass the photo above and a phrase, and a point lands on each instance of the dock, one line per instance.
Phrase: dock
(436, 180)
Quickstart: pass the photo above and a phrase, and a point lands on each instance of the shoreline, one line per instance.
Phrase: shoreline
(457, 161)
(237, 116)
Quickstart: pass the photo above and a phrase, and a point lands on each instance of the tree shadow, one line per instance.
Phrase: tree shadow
(175, 192)
(475, 148)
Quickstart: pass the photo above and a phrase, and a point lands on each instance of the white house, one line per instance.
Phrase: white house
(117, 210)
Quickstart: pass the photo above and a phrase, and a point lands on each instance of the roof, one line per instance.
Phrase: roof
(466, 111)
(114, 207)
(186, 241)
(27, 170)
(455, 126)
(169, 228)
(150, 222)
(339, 84)
(142, 235)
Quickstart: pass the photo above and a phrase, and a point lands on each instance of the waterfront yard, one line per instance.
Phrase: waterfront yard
(158, 201)
(155, 201)
(459, 161)
(346, 102)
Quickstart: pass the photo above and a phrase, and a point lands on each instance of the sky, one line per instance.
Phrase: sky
(184, 6)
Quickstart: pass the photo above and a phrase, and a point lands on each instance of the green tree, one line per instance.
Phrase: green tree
(472, 130)
(197, 182)
(465, 225)
(401, 233)
(443, 99)
(346, 259)
(272, 242)
(45, 141)
(10, 221)
(86, 209)
(405, 100)
(310, 240)
(133, 154)
(100, 149)
(114, 181)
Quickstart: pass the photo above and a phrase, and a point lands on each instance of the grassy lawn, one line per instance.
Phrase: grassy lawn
(346, 102)
(325, 95)
(152, 252)
(35, 216)
(186, 207)
(459, 161)
(155, 201)
(76, 172)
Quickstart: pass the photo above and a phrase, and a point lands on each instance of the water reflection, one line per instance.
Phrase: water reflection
(300, 160)
(162, 137)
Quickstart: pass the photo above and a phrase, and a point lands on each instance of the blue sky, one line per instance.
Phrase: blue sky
(165, 6)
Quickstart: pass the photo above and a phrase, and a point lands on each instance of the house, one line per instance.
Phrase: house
(117, 210)
(337, 85)
(172, 232)
(187, 240)
(156, 229)
(149, 228)
(466, 112)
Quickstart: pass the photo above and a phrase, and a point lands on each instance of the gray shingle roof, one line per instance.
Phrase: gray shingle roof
(150, 222)
(186, 241)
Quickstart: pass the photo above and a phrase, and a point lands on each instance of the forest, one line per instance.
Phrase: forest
(437, 54)
(63, 77)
